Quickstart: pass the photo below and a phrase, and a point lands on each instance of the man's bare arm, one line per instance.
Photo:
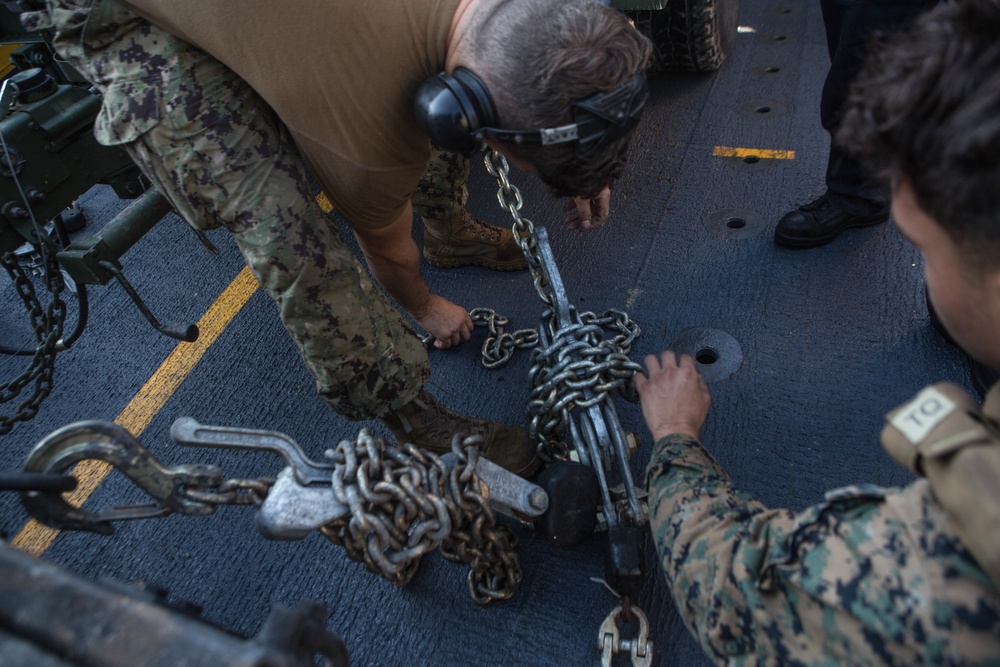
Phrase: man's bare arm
(394, 260)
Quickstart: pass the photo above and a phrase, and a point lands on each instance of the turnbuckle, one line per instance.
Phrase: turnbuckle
(610, 641)
(108, 442)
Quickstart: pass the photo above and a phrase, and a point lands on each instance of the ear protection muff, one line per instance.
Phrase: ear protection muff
(452, 108)
(458, 113)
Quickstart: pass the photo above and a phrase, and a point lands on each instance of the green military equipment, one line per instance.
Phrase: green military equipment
(49, 155)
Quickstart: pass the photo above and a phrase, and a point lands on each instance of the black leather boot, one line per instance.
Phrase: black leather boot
(819, 222)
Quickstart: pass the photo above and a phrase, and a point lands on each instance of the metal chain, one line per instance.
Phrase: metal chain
(406, 502)
(499, 346)
(47, 324)
(510, 199)
(391, 506)
(579, 357)
(231, 492)
(558, 381)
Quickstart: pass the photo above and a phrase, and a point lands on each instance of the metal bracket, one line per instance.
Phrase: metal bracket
(292, 511)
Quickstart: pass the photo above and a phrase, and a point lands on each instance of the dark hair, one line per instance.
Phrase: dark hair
(537, 57)
(927, 108)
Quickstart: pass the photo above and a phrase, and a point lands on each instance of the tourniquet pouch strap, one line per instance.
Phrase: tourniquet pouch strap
(943, 435)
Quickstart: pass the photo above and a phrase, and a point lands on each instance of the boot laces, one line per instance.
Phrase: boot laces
(821, 203)
(481, 229)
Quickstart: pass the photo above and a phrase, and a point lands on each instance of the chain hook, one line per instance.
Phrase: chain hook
(108, 442)
(610, 641)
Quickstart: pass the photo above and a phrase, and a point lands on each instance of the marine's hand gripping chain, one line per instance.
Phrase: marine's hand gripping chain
(386, 506)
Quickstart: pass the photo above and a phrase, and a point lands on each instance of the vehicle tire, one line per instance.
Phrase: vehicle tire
(690, 35)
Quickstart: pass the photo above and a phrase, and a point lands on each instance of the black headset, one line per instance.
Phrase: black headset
(458, 113)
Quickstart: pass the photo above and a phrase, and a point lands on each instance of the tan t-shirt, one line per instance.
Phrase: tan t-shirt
(341, 74)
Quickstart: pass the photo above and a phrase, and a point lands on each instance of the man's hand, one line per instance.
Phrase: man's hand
(449, 323)
(394, 260)
(674, 396)
(586, 214)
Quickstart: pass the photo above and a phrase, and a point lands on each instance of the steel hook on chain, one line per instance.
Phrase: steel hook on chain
(610, 641)
(108, 442)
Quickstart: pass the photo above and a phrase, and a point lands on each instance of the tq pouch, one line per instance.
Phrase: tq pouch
(943, 435)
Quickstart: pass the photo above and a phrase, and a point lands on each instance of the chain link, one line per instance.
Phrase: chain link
(499, 346)
(579, 361)
(388, 506)
(406, 502)
(231, 492)
(47, 324)
(510, 200)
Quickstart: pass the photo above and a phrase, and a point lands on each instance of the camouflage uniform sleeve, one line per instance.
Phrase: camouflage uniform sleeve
(869, 576)
(713, 541)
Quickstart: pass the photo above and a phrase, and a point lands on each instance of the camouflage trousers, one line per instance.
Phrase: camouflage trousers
(221, 157)
(873, 576)
(442, 193)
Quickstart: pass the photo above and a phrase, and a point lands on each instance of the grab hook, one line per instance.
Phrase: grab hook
(108, 442)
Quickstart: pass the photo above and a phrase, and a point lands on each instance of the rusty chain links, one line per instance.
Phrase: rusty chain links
(406, 502)
(386, 506)
(47, 323)
(557, 380)
(231, 492)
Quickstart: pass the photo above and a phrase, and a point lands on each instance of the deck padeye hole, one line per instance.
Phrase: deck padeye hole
(706, 356)
(716, 353)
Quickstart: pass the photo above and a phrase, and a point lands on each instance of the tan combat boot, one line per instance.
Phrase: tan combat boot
(429, 425)
(462, 240)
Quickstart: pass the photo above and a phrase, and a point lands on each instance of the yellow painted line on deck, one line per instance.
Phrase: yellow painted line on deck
(726, 151)
(35, 538)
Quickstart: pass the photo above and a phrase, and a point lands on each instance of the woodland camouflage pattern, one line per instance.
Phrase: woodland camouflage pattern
(872, 576)
(220, 156)
(442, 192)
